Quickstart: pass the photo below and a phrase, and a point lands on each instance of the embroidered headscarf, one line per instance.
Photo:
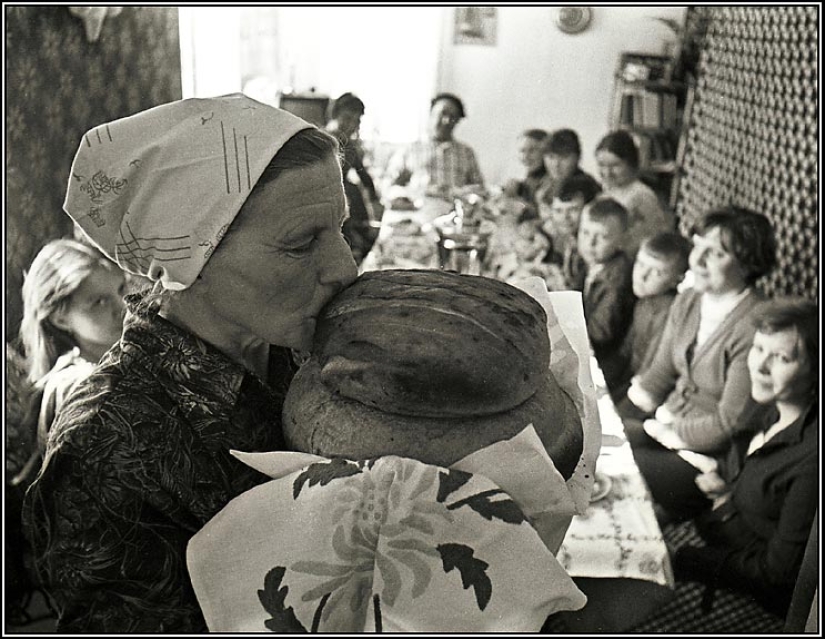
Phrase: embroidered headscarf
(156, 191)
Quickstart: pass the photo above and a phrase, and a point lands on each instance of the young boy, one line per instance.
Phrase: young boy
(560, 214)
(608, 283)
(660, 266)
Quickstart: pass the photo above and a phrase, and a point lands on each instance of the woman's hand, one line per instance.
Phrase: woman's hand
(663, 434)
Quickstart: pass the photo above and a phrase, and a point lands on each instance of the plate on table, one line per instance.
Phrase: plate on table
(601, 487)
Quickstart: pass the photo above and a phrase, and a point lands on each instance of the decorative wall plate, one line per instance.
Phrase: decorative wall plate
(573, 19)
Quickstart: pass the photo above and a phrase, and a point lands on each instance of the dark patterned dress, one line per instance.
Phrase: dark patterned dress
(137, 462)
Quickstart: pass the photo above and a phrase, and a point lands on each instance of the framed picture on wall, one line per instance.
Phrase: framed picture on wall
(475, 25)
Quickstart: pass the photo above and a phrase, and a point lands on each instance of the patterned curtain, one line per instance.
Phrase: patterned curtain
(753, 133)
(58, 86)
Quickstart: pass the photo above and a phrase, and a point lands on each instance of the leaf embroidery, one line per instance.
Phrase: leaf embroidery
(272, 598)
(473, 571)
(449, 482)
(504, 509)
(323, 473)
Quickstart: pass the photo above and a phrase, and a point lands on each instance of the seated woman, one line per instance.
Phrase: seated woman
(766, 490)
(698, 384)
(618, 159)
(362, 197)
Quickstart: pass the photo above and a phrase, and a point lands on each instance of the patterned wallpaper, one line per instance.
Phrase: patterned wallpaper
(58, 86)
(753, 134)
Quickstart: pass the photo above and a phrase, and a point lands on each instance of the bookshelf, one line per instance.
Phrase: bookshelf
(651, 106)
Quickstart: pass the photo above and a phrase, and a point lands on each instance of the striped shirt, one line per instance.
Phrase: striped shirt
(437, 166)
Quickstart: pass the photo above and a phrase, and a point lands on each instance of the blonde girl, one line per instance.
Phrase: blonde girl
(72, 314)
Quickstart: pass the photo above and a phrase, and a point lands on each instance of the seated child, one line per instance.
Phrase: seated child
(608, 283)
(660, 266)
(517, 248)
(560, 216)
(531, 147)
(562, 152)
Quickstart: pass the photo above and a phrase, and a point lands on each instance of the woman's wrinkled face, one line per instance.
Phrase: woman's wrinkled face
(284, 257)
(779, 367)
(715, 269)
(93, 314)
(530, 154)
(560, 166)
(613, 170)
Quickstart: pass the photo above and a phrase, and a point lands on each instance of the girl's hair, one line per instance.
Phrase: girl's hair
(793, 313)
(563, 142)
(748, 235)
(55, 274)
(622, 145)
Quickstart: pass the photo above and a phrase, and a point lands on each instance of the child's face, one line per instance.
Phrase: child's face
(599, 240)
(613, 170)
(653, 274)
(560, 166)
(530, 153)
(94, 312)
(565, 216)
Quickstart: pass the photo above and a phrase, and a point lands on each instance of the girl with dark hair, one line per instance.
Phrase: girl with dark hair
(618, 158)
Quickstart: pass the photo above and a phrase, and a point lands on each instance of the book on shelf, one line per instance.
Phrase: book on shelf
(649, 110)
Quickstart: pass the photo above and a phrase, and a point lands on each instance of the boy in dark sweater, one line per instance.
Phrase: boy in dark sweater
(608, 288)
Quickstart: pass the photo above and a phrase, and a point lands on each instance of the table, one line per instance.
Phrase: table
(615, 552)
(406, 238)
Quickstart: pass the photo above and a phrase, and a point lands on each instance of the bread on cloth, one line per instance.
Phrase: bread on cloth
(430, 365)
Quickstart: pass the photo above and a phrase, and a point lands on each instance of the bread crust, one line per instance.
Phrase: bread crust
(319, 421)
(433, 344)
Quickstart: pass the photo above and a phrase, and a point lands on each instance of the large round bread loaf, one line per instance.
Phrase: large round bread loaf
(433, 343)
(318, 420)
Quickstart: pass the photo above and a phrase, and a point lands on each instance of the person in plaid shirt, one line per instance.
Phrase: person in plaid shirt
(440, 165)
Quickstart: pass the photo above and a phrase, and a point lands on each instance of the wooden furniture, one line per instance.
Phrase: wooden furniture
(652, 107)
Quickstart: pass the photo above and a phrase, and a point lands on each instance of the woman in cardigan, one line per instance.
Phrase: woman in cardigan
(697, 388)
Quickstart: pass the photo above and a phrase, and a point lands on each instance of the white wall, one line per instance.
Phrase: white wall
(538, 76)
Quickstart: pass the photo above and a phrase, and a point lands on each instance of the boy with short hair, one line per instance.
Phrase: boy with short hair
(608, 283)
(659, 268)
(560, 214)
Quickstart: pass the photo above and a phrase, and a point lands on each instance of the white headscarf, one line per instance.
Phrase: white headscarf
(156, 191)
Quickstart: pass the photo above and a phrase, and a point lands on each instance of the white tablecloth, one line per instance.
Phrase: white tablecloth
(618, 536)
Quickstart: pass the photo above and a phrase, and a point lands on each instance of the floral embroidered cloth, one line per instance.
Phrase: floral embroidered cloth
(395, 545)
(389, 545)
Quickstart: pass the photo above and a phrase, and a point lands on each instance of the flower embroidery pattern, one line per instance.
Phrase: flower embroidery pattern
(387, 517)
(101, 183)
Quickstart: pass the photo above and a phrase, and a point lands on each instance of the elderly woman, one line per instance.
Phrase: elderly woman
(234, 209)
(698, 384)
(751, 544)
